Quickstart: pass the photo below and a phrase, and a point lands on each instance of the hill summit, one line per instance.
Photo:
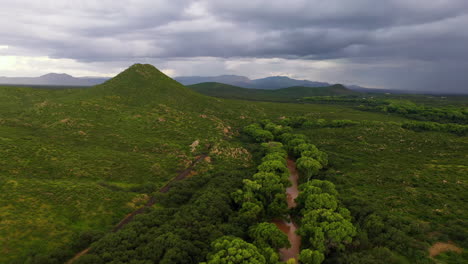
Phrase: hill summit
(145, 84)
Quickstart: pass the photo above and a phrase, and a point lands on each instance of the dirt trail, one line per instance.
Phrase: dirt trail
(182, 175)
(289, 228)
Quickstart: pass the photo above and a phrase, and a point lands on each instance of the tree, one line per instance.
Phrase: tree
(297, 121)
(271, 185)
(279, 207)
(277, 129)
(328, 227)
(247, 193)
(263, 136)
(274, 147)
(294, 143)
(256, 132)
(321, 201)
(311, 149)
(320, 156)
(275, 166)
(308, 256)
(306, 190)
(270, 235)
(308, 166)
(251, 129)
(233, 250)
(325, 186)
(250, 212)
(275, 156)
(271, 256)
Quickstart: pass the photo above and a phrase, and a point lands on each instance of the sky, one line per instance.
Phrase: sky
(399, 44)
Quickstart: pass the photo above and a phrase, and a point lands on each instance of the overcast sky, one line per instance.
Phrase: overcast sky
(405, 44)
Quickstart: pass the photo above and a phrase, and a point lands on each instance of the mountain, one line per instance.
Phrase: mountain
(280, 95)
(143, 84)
(268, 83)
(53, 79)
(277, 82)
(228, 79)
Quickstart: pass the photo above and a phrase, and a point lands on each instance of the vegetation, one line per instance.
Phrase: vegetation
(406, 108)
(291, 94)
(74, 162)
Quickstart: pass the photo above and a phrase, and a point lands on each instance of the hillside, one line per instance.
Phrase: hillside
(290, 94)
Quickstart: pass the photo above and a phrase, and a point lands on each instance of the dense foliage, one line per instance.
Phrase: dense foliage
(291, 94)
(461, 130)
(194, 213)
(404, 108)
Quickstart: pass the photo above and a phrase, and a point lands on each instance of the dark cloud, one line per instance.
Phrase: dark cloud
(386, 41)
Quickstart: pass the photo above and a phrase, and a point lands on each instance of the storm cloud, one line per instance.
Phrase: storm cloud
(405, 44)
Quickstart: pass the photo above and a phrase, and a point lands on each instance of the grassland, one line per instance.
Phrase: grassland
(62, 152)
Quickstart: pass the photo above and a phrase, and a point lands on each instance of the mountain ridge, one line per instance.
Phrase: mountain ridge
(268, 83)
(288, 94)
(53, 79)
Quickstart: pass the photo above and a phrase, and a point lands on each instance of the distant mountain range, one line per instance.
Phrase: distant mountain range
(270, 83)
(53, 79)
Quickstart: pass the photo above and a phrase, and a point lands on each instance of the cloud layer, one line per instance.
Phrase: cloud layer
(395, 43)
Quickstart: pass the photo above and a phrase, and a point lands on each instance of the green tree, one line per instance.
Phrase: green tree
(321, 201)
(274, 147)
(274, 166)
(271, 256)
(271, 185)
(291, 144)
(306, 190)
(320, 156)
(263, 136)
(250, 212)
(277, 129)
(233, 250)
(308, 256)
(327, 225)
(275, 156)
(268, 234)
(308, 166)
(311, 149)
(325, 186)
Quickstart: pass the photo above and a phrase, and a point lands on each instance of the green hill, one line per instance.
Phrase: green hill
(143, 84)
(281, 95)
